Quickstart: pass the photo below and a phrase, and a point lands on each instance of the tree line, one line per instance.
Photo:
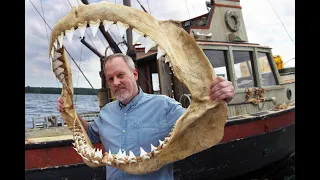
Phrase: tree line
(52, 90)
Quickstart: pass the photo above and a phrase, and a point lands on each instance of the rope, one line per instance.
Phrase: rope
(281, 22)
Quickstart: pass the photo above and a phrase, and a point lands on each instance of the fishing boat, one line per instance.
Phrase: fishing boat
(259, 132)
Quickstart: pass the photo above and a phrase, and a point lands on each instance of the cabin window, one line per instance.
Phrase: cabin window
(217, 59)
(243, 69)
(267, 75)
(155, 83)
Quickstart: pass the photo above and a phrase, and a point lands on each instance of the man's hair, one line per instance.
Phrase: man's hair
(126, 59)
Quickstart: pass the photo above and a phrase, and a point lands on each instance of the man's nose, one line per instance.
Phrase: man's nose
(116, 81)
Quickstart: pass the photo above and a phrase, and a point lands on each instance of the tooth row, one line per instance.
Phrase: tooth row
(122, 158)
(83, 149)
(94, 26)
(57, 65)
(95, 155)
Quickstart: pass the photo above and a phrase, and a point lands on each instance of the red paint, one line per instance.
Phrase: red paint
(228, 5)
(253, 128)
(211, 15)
(48, 157)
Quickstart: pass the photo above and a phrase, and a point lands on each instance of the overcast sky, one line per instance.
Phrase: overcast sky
(261, 21)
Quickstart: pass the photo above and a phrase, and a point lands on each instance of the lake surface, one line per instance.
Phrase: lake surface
(40, 105)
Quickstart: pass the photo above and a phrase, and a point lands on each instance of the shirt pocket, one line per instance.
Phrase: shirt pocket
(151, 134)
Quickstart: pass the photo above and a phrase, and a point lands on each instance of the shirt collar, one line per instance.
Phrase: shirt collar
(134, 100)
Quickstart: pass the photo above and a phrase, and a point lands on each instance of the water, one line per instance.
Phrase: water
(40, 105)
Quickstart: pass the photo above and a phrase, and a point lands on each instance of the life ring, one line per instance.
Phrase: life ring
(232, 19)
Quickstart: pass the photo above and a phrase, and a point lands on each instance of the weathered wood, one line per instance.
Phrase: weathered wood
(164, 78)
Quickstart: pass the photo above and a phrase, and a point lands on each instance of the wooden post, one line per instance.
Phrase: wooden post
(164, 77)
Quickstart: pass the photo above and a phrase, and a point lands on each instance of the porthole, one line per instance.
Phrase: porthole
(289, 93)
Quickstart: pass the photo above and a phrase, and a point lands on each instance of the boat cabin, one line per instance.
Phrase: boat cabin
(221, 33)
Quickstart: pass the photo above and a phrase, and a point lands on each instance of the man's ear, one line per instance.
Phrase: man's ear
(135, 73)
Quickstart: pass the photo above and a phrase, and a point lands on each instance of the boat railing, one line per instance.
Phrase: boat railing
(57, 120)
(185, 100)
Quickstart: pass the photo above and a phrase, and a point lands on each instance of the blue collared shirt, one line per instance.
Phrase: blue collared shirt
(147, 119)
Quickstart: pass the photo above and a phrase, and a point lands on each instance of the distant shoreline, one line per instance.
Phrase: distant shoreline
(52, 90)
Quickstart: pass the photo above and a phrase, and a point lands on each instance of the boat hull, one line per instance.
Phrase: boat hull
(248, 145)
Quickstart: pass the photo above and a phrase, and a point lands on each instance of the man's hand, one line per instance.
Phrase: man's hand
(60, 105)
(221, 89)
(60, 108)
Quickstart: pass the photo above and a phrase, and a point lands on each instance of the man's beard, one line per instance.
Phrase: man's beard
(123, 96)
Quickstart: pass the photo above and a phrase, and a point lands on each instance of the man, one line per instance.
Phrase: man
(138, 119)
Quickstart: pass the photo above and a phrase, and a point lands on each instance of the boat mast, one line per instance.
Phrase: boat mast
(104, 93)
(131, 51)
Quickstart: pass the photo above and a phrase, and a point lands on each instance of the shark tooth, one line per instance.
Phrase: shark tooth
(52, 52)
(56, 64)
(92, 152)
(119, 155)
(122, 28)
(153, 148)
(69, 34)
(160, 52)
(136, 35)
(87, 150)
(58, 71)
(82, 28)
(60, 39)
(160, 143)
(110, 157)
(95, 161)
(120, 158)
(98, 154)
(107, 24)
(132, 158)
(56, 55)
(149, 44)
(85, 158)
(75, 149)
(81, 150)
(55, 44)
(94, 27)
(143, 154)
(166, 60)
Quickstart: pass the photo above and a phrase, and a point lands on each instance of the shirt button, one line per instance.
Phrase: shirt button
(123, 130)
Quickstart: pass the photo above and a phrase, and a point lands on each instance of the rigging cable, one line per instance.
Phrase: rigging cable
(142, 7)
(48, 40)
(64, 47)
(289, 60)
(281, 22)
(193, 8)
(149, 6)
(187, 8)
(78, 76)
(87, 32)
